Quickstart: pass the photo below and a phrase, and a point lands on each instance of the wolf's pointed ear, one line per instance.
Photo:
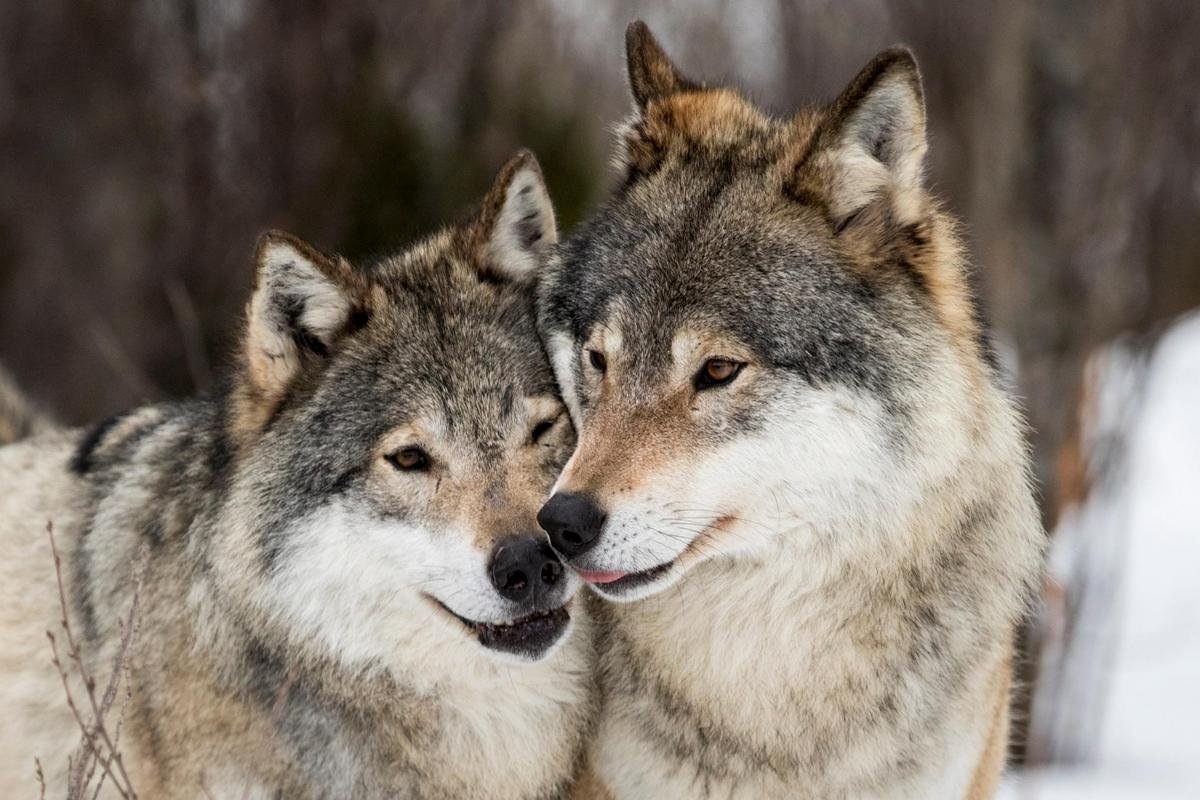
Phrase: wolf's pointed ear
(872, 140)
(651, 73)
(515, 231)
(303, 303)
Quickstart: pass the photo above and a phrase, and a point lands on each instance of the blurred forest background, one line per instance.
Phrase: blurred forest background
(144, 145)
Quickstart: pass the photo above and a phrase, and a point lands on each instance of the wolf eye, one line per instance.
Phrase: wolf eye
(717, 372)
(541, 429)
(409, 459)
(597, 360)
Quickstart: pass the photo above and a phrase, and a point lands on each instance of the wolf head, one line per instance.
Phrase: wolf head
(398, 427)
(765, 337)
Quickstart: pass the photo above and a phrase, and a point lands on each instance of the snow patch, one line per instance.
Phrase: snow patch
(1122, 701)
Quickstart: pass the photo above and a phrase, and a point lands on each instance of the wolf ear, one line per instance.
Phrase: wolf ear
(515, 231)
(872, 140)
(301, 306)
(651, 73)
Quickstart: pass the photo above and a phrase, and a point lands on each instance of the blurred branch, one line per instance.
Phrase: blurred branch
(190, 332)
(121, 362)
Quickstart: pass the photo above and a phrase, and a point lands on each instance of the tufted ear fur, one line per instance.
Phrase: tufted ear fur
(651, 73)
(303, 303)
(871, 142)
(515, 231)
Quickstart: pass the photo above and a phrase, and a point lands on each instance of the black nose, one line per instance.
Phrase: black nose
(573, 521)
(525, 569)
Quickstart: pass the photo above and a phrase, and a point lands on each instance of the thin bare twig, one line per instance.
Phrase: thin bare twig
(90, 746)
(41, 778)
(121, 667)
(97, 746)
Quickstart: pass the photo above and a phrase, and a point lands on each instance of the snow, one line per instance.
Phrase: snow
(1125, 708)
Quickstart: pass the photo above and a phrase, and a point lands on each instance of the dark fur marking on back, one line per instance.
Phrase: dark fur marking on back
(81, 462)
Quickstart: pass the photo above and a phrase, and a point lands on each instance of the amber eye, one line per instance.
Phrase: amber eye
(597, 360)
(717, 372)
(409, 459)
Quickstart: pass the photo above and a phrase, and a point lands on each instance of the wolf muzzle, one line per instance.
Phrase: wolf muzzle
(525, 571)
(574, 522)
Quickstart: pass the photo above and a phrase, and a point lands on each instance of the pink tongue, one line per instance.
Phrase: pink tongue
(601, 577)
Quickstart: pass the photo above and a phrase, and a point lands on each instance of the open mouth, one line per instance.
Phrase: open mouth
(621, 582)
(529, 636)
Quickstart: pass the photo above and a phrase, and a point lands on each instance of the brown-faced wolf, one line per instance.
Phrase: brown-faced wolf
(346, 593)
(795, 454)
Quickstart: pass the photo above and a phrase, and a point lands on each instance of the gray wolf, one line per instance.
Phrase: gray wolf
(346, 594)
(795, 454)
